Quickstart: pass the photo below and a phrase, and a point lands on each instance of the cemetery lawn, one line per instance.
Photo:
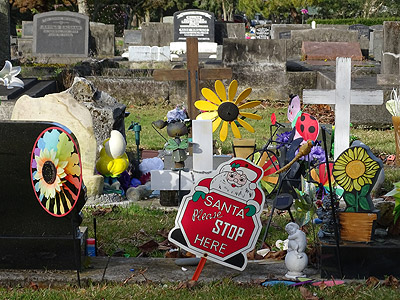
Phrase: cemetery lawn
(223, 289)
(380, 141)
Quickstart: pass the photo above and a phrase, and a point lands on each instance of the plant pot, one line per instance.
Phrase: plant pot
(357, 227)
(396, 125)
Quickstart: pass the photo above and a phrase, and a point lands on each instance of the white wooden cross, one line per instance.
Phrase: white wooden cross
(342, 97)
(202, 161)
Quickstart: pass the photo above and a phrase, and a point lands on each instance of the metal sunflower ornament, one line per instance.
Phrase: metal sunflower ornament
(226, 110)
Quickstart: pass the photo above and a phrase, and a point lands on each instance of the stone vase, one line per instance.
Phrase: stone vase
(396, 125)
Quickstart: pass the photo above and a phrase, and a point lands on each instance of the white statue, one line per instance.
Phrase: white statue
(296, 259)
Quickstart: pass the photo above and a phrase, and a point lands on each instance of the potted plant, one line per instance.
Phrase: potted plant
(356, 171)
(393, 106)
(395, 193)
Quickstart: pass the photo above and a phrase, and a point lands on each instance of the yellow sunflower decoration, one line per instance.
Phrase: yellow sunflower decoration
(356, 171)
(226, 110)
(354, 168)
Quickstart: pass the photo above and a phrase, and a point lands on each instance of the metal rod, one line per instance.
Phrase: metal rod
(95, 235)
(75, 252)
(335, 225)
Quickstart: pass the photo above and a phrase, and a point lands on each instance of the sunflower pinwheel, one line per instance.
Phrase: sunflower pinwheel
(225, 110)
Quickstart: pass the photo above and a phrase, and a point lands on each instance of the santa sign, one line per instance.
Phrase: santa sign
(220, 218)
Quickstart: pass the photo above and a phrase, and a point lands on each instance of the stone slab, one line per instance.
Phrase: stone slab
(391, 48)
(147, 53)
(282, 31)
(157, 34)
(25, 46)
(102, 39)
(158, 270)
(132, 37)
(330, 50)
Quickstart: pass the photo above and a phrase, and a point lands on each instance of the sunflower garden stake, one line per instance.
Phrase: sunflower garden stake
(393, 106)
(356, 171)
(223, 108)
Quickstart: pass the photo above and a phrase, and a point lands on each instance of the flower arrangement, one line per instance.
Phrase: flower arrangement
(395, 193)
(393, 105)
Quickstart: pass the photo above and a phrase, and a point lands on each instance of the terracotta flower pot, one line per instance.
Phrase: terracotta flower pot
(357, 227)
(396, 125)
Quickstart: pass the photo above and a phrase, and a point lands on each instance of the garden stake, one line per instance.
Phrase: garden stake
(335, 225)
(95, 235)
(200, 267)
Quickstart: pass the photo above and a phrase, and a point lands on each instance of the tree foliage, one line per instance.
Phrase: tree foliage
(43, 5)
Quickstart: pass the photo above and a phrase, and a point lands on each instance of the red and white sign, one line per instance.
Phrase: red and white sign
(221, 215)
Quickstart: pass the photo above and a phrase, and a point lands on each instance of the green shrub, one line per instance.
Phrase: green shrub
(367, 22)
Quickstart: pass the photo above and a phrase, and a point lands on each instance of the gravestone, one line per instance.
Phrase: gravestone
(362, 30)
(60, 34)
(263, 32)
(157, 34)
(132, 37)
(102, 39)
(390, 66)
(330, 50)
(342, 97)
(5, 52)
(376, 44)
(27, 29)
(39, 227)
(195, 23)
(168, 19)
(64, 109)
(147, 53)
(285, 35)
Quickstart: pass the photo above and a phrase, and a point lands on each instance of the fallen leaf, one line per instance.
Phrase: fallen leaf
(187, 285)
(33, 286)
(102, 211)
(391, 281)
(149, 246)
(372, 282)
(278, 255)
(172, 254)
(307, 294)
(164, 233)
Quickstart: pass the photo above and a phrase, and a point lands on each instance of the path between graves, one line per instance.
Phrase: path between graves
(123, 270)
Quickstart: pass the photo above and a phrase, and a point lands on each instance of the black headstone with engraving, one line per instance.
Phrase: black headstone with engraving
(42, 194)
(194, 23)
(363, 30)
(263, 32)
(59, 33)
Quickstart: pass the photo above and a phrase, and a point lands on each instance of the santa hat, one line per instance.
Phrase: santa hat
(252, 172)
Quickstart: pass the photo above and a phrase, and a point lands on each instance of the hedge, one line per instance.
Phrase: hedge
(367, 22)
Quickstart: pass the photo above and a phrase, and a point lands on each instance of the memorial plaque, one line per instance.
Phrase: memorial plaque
(60, 34)
(263, 32)
(362, 30)
(194, 23)
(285, 35)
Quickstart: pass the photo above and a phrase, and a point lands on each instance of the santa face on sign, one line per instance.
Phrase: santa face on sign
(234, 183)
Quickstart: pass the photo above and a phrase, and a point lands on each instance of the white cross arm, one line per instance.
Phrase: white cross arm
(169, 180)
(358, 97)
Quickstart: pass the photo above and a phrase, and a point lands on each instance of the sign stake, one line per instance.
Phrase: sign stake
(200, 267)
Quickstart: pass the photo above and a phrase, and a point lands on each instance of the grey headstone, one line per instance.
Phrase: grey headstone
(5, 52)
(168, 19)
(157, 34)
(391, 44)
(102, 39)
(25, 47)
(132, 37)
(27, 29)
(376, 44)
(362, 30)
(194, 23)
(60, 34)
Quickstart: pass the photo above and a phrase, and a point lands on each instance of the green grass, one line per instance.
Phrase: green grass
(126, 228)
(223, 289)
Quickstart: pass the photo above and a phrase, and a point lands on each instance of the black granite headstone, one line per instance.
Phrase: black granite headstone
(42, 194)
(363, 30)
(263, 32)
(60, 34)
(194, 23)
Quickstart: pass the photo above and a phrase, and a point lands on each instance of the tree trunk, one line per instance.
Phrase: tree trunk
(83, 7)
(147, 16)
(224, 11)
